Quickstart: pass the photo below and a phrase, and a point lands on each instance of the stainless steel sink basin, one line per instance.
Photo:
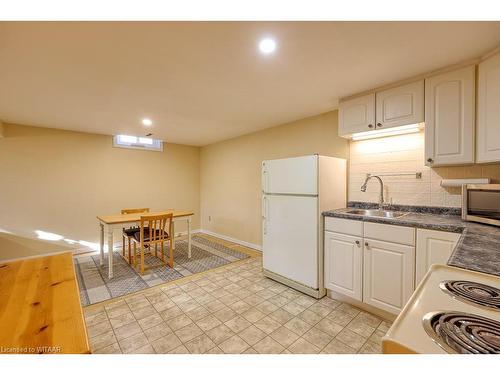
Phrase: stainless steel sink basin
(377, 213)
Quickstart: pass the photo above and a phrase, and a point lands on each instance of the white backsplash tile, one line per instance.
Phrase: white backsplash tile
(405, 154)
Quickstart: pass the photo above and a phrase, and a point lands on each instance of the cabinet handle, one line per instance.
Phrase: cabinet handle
(370, 126)
(357, 242)
(379, 125)
(430, 160)
(366, 244)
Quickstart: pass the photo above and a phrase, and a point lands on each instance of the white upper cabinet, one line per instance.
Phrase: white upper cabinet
(488, 107)
(401, 105)
(449, 117)
(357, 115)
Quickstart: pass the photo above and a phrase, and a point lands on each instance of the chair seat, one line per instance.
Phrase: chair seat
(131, 231)
(137, 235)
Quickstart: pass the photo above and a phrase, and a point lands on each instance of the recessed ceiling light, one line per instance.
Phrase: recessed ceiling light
(267, 46)
(147, 122)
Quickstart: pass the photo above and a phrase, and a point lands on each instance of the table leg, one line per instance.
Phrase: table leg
(173, 235)
(110, 253)
(189, 236)
(101, 242)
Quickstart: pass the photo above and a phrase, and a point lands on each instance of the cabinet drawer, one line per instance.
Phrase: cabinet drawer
(390, 233)
(345, 226)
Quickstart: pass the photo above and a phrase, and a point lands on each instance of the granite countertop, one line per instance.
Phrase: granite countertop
(478, 248)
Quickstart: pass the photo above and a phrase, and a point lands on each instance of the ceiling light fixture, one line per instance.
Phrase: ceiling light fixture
(267, 46)
(405, 129)
(147, 122)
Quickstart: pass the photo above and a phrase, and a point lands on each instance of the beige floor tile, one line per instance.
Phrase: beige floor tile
(267, 307)
(377, 336)
(99, 329)
(237, 324)
(284, 336)
(384, 326)
(171, 313)
(280, 300)
(198, 313)
(127, 330)
(93, 310)
(338, 347)
(130, 344)
(233, 345)
(219, 333)
(348, 309)
(146, 349)
(267, 325)
(369, 319)
(320, 309)
(254, 300)
(293, 308)
(250, 351)
(215, 350)
(102, 341)
(118, 310)
(99, 317)
(330, 302)
(317, 337)
(298, 326)
(150, 321)
(188, 332)
(181, 349)
(351, 338)
(302, 346)
(225, 314)
(200, 344)
(281, 316)
(229, 299)
(121, 320)
(371, 347)
(156, 332)
(111, 349)
(268, 346)
(166, 343)
(214, 306)
(361, 328)
(240, 307)
(179, 322)
(252, 335)
(310, 317)
(329, 327)
(253, 315)
(208, 322)
(305, 301)
(144, 312)
(340, 317)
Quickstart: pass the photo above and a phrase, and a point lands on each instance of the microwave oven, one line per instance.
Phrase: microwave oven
(481, 203)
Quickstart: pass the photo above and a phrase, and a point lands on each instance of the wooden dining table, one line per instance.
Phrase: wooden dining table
(109, 223)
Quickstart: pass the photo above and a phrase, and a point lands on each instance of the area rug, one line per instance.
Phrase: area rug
(96, 287)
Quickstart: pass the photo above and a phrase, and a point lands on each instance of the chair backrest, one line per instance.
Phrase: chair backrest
(127, 211)
(156, 226)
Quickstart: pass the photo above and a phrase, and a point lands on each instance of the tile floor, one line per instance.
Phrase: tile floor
(232, 309)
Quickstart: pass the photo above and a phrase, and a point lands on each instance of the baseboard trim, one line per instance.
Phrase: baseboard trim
(231, 239)
(184, 233)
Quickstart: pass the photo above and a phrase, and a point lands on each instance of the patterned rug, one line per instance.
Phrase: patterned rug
(96, 287)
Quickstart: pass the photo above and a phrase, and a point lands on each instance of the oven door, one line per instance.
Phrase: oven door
(481, 203)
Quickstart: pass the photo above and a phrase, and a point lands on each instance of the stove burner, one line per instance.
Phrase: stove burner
(470, 291)
(458, 332)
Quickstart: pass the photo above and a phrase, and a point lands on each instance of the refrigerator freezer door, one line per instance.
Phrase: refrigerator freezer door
(290, 237)
(291, 176)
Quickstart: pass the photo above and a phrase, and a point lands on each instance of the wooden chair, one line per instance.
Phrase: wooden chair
(129, 232)
(153, 232)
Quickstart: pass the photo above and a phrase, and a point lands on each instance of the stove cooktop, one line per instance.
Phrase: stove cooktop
(473, 292)
(459, 332)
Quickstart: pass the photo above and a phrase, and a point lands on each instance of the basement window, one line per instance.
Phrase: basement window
(138, 143)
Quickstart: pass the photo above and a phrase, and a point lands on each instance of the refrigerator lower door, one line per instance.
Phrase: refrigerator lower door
(290, 237)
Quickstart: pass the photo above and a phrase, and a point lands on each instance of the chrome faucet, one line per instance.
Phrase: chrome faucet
(381, 196)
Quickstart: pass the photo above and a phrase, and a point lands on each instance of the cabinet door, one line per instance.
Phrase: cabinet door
(357, 115)
(344, 264)
(388, 275)
(402, 105)
(488, 107)
(433, 247)
(449, 117)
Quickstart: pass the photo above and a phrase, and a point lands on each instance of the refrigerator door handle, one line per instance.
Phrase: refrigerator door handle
(264, 214)
(265, 181)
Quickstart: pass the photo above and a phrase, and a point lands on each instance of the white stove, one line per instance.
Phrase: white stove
(452, 311)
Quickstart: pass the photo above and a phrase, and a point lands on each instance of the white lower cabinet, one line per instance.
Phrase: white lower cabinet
(388, 274)
(344, 264)
(433, 247)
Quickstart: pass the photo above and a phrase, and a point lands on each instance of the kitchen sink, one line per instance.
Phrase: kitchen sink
(377, 213)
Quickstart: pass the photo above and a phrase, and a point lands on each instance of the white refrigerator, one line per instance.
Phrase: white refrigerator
(294, 193)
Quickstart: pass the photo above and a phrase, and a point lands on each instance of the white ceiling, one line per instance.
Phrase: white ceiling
(201, 82)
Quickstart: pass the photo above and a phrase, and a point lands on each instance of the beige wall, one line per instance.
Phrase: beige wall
(230, 171)
(58, 181)
(405, 153)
